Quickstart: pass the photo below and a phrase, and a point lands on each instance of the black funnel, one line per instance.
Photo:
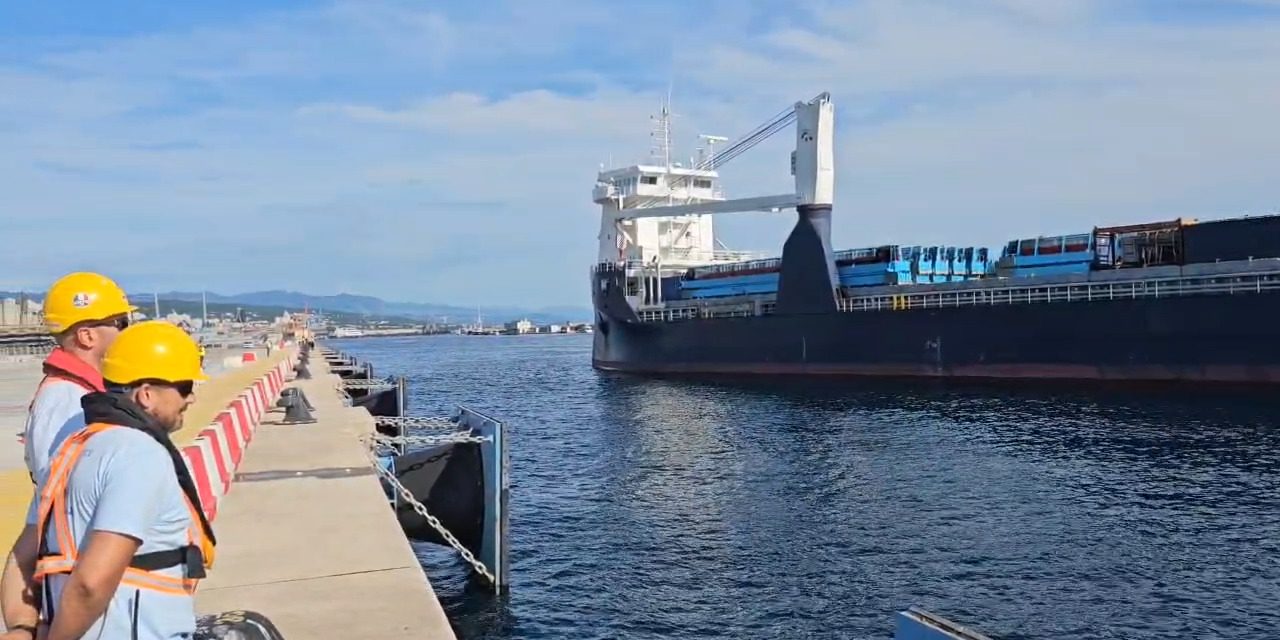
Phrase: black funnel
(808, 280)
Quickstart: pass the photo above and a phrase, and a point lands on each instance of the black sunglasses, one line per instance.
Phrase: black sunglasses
(186, 387)
(121, 323)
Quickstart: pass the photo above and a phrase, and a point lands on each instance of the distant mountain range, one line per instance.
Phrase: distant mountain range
(368, 306)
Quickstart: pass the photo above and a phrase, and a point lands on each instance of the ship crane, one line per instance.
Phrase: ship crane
(812, 164)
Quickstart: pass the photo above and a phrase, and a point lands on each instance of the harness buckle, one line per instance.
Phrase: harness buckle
(194, 561)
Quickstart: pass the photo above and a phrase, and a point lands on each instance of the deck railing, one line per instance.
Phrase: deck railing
(1220, 284)
(1012, 293)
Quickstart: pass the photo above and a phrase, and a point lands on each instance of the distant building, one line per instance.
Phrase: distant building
(21, 312)
(520, 327)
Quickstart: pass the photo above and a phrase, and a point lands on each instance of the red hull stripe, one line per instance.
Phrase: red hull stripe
(1269, 374)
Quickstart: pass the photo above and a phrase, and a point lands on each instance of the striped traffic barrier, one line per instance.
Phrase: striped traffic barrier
(215, 454)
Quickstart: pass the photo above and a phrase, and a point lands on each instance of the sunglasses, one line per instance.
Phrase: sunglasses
(185, 388)
(121, 323)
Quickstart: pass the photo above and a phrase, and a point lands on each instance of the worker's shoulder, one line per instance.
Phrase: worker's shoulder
(59, 388)
(128, 447)
(59, 396)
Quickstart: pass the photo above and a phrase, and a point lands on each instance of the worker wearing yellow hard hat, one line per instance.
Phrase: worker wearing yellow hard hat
(84, 312)
(117, 505)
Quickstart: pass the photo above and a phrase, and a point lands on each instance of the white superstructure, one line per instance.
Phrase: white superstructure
(656, 218)
(675, 242)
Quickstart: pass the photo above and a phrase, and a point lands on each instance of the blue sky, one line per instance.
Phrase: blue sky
(445, 152)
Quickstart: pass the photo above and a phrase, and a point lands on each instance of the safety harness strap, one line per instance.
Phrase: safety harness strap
(142, 568)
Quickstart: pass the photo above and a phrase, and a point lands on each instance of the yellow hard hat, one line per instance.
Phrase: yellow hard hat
(152, 350)
(81, 296)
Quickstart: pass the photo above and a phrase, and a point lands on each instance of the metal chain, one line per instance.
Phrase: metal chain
(368, 384)
(456, 437)
(417, 422)
(421, 509)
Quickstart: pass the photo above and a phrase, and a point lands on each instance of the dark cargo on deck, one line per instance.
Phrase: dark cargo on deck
(1237, 239)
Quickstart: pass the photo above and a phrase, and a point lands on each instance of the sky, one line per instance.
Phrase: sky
(445, 151)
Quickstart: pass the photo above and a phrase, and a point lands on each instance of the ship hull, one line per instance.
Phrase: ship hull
(1220, 338)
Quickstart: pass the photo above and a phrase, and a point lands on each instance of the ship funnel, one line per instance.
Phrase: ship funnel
(807, 282)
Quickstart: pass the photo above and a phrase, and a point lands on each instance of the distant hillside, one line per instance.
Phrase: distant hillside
(356, 306)
(371, 306)
(193, 308)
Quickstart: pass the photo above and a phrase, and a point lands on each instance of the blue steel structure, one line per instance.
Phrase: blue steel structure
(866, 267)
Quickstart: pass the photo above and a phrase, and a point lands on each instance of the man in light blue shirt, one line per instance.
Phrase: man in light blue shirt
(119, 491)
(83, 312)
(114, 488)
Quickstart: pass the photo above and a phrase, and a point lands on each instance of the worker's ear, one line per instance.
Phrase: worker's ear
(83, 337)
(144, 395)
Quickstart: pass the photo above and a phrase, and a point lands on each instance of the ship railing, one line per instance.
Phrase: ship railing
(715, 257)
(1215, 284)
(744, 310)
(1228, 284)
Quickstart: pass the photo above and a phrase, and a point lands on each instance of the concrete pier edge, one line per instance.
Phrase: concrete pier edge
(307, 538)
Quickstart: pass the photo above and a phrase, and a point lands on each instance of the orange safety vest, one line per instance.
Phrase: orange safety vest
(143, 571)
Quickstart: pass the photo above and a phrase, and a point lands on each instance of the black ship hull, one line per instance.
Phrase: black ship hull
(1195, 338)
(1210, 319)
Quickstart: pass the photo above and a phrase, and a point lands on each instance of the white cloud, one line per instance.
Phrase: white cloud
(412, 140)
(970, 126)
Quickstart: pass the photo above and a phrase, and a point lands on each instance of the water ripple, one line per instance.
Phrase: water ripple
(656, 508)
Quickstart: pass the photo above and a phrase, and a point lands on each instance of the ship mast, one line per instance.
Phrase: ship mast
(812, 164)
(662, 136)
(656, 213)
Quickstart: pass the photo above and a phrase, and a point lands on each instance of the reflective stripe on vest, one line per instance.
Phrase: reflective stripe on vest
(53, 502)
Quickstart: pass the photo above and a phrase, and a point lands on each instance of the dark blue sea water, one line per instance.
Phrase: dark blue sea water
(646, 508)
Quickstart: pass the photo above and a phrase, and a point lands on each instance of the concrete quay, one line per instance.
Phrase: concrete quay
(305, 534)
(307, 537)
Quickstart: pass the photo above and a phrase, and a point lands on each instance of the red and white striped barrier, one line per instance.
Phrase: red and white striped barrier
(216, 453)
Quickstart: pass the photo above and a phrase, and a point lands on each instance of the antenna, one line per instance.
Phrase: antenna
(662, 135)
(710, 158)
(667, 112)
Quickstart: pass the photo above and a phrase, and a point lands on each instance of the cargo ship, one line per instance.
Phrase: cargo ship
(1176, 300)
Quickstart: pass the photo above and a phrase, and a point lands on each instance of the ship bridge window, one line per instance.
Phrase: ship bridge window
(648, 179)
(701, 183)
